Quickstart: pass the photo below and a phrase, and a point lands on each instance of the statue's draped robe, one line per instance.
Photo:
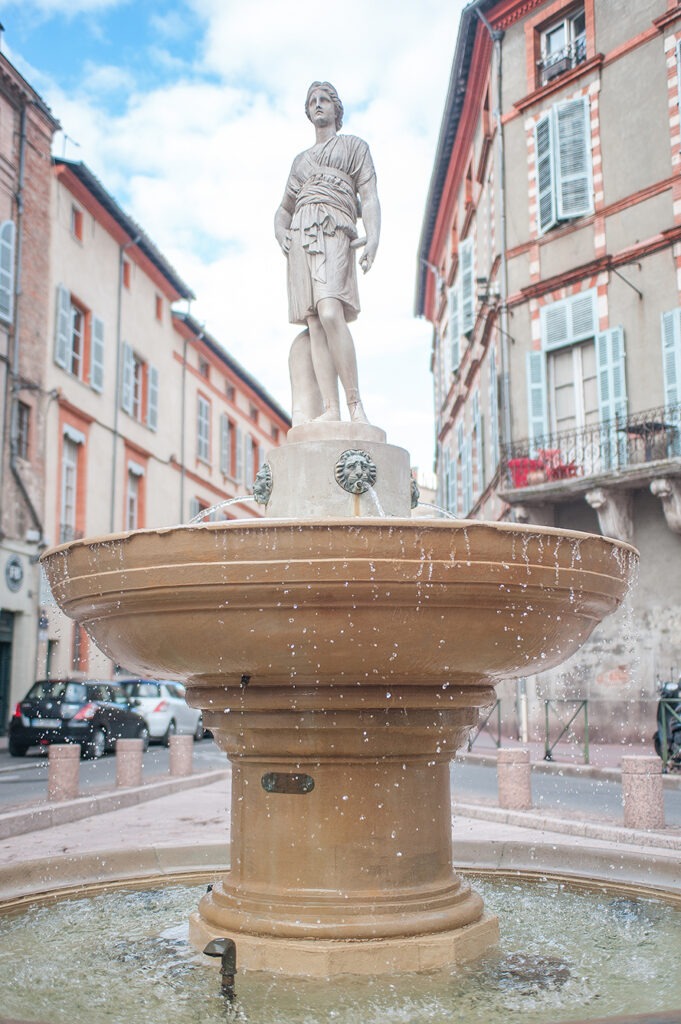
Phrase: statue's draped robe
(321, 195)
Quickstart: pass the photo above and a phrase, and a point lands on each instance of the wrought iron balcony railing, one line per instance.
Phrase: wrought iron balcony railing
(602, 448)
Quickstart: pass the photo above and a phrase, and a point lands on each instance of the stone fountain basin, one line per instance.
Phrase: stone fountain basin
(277, 602)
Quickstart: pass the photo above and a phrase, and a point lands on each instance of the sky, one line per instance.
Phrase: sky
(190, 113)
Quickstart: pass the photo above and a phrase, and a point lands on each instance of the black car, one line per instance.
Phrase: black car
(93, 713)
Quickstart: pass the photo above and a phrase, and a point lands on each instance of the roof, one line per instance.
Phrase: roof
(201, 334)
(17, 81)
(131, 227)
(456, 95)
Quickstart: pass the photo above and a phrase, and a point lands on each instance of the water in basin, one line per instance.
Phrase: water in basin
(122, 957)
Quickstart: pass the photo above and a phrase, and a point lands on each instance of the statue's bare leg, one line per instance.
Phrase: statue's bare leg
(325, 370)
(341, 350)
(305, 394)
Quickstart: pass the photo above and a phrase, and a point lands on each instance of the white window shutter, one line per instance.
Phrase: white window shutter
(194, 507)
(239, 455)
(467, 276)
(612, 389)
(573, 158)
(127, 379)
(7, 238)
(224, 445)
(567, 321)
(678, 72)
(545, 175)
(479, 443)
(554, 324)
(671, 356)
(62, 341)
(152, 408)
(493, 409)
(582, 310)
(97, 355)
(454, 328)
(536, 398)
(248, 460)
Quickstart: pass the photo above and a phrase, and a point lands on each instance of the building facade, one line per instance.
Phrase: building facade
(149, 420)
(26, 131)
(550, 263)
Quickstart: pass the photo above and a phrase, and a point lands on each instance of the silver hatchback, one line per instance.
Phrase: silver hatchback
(164, 708)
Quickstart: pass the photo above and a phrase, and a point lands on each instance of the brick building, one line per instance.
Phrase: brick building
(550, 263)
(26, 130)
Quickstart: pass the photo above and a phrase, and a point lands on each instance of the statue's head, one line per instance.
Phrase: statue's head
(333, 95)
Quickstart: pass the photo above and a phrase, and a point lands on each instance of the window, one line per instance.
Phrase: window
(127, 273)
(226, 433)
(69, 486)
(77, 223)
(562, 46)
(479, 443)
(253, 413)
(467, 275)
(7, 237)
(274, 432)
(204, 368)
(139, 388)
(158, 307)
(563, 163)
(578, 378)
(203, 429)
(79, 340)
(134, 496)
(454, 327)
(230, 391)
(196, 507)
(671, 367)
(23, 430)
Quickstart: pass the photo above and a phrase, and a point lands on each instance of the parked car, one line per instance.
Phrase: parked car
(94, 713)
(667, 738)
(164, 707)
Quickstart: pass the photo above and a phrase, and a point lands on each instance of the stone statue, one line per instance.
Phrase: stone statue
(329, 186)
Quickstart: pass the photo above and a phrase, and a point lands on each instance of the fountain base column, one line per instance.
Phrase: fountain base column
(341, 855)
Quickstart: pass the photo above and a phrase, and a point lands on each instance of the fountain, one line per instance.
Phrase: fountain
(339, 650)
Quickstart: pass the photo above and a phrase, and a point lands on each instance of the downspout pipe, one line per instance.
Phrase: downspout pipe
(14, 373)
(497, 35)
(117, 391)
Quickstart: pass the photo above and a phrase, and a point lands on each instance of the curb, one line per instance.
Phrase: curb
(34, 818)
(614, 833)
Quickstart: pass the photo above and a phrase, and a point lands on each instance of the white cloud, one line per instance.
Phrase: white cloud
(202, 163)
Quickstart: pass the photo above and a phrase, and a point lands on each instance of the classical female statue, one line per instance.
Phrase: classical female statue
(329, 187)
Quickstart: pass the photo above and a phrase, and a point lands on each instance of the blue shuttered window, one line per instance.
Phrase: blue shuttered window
(128, 379)
(536, 398)
(7, 240)
(563, 174)
(97, 355)
(467, 277)
(152, 409)
(454, 327)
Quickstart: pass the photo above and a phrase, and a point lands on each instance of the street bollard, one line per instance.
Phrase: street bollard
(181, 755)
(513, 778)
(63, 772)
(642, 792)
(129, 755)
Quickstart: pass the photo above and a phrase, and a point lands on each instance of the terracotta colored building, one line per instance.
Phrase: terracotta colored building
(150, 421)
(26, 130)
(549, 266)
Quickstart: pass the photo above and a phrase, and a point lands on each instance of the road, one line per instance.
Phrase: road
(24, 779)
(596, 799)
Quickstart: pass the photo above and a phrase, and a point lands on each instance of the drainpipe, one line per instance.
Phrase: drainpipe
(14, 369)
(183, 403)
(117, 395)
(497, 35)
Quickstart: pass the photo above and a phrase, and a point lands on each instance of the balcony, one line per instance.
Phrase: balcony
(559, 465)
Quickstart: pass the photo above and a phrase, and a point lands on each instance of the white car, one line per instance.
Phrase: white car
(164, 708)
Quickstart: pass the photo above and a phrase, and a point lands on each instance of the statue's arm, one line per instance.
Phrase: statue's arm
(282, 224)
(371, 218)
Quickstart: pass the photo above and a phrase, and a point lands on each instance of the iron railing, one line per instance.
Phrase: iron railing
(559, 709)
(551, 65)
(600, 448)
(484, 725)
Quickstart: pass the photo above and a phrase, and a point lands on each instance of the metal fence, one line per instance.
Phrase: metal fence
(603, 447)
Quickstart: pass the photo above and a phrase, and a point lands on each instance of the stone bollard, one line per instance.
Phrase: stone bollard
(181, 755)
(63, 772)
(642, 792)
(513, 778)
(129, 755)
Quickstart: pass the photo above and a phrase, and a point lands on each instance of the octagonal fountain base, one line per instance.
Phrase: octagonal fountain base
(340, 664)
